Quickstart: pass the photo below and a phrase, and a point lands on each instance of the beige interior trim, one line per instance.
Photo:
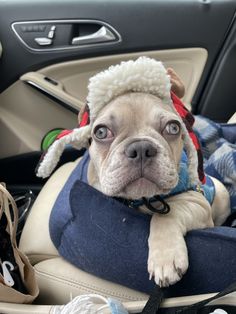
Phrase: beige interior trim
(0, 49)
(132, 307)
(10, 308)
(26, 116)
(38, 80)
(74, 75)
(233, 118)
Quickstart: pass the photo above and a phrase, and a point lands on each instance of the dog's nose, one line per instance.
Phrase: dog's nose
(140, 150)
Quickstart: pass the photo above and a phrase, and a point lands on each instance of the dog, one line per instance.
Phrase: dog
(136, 146)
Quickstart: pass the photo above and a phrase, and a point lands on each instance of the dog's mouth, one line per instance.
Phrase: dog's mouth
(141, 182)
(143, 187)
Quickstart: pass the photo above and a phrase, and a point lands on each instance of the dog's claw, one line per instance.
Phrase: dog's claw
(151, 270)
(167, 266)
(179, 272)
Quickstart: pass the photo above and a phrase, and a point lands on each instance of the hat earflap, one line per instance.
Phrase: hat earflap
(192, 156)
(188, 121)
(79, 138)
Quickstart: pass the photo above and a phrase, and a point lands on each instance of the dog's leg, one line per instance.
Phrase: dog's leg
(221, 203)
(168, 257)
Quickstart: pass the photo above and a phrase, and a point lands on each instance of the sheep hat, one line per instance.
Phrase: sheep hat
(144, 75)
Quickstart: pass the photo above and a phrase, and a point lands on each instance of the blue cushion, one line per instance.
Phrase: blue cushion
(108, 239)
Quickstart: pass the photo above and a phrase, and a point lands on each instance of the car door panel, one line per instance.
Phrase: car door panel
(142, 25)
(26, 116)
(189, 64)
(25, 124)
(189, 35)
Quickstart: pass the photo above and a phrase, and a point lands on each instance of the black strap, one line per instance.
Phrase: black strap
(163, 210)
(153, 302)
(194, 307)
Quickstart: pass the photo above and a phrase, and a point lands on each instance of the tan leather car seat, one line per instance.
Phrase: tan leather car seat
(233, 118)
(58, 280)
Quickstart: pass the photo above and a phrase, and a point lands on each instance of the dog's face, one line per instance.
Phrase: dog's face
(136, 147)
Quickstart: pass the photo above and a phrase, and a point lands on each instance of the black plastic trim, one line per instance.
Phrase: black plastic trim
(19, 171)
(218, 101)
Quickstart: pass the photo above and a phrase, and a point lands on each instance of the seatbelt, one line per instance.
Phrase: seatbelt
(153, 304)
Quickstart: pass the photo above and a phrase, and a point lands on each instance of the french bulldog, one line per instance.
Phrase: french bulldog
(136, 148)
(137, 139)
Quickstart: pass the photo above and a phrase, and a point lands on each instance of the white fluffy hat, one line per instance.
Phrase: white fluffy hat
(142, 75)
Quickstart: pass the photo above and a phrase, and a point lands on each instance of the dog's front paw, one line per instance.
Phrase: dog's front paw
(168, 265)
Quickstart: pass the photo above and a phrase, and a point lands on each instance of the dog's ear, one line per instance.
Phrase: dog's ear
(83, 116)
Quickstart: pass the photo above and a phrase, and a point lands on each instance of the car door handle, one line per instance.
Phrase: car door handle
(61, 35)
(102, 35)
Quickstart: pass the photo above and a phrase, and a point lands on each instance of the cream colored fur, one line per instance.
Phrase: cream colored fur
(135, 117)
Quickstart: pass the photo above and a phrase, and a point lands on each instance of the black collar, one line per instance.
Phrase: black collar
(148, 203)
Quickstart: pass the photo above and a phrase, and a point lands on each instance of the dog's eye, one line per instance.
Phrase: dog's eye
(103, 132)
(173, 128)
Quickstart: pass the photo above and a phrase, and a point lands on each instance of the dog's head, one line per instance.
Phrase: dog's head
(137, 133)
(136, 147)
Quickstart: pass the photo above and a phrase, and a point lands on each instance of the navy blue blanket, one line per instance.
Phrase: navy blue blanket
(112, 244)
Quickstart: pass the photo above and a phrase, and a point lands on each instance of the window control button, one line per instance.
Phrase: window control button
(43, 41)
